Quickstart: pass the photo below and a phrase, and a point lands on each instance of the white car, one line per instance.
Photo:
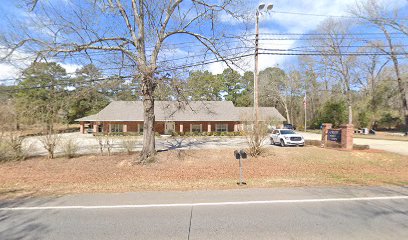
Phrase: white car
(286, 137)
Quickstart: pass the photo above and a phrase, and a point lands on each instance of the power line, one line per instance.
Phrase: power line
(333, 16)
(332, 54)
(329, 34)
(322, 38)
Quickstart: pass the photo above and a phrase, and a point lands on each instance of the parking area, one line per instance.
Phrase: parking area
(89, 144)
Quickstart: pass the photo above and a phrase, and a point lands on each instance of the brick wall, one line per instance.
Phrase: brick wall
(133, 126)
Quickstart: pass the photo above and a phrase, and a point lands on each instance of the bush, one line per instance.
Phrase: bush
(334, 112)
(50, 142)
(129, 144)
(70, 148)
(256, 139)
(11, 148)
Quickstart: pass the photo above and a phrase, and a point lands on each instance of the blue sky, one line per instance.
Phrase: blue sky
(275, 22)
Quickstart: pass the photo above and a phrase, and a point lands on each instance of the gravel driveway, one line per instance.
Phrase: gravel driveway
(89, 144)
(400, 147)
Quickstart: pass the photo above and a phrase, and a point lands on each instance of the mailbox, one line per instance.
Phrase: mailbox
(243, 153)
(237, 154)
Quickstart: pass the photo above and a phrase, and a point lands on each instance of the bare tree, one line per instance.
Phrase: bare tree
(338, 65)
(275, 89)
(50, 142)
(135, 29)
(374, 14)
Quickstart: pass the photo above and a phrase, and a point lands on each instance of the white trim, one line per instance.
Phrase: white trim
(403, 197)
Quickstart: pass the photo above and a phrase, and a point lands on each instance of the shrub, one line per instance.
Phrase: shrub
(50, 142)
(361, 147)
(129, 144)
(70, 148)
(11, 147)
(100, 139)
(256, 139)
(109, 144)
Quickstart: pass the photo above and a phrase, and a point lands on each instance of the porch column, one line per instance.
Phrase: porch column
(181, 127)
(125, 127)
(81, 127)
(95, 127)
(110, 128)
(209, 127)
(235, 127)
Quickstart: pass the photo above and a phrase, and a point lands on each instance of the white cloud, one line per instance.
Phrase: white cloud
(70, 67)
(21, 60)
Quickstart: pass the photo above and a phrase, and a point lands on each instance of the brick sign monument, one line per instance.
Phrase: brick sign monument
(342, 136)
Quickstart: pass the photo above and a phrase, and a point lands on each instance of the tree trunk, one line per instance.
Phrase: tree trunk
(350, 108)
(404, 97)
(287, 114)
(149, 146)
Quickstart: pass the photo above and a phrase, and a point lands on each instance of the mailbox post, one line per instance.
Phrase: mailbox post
(239, 155)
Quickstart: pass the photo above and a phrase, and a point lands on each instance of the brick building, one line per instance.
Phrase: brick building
(172, 116)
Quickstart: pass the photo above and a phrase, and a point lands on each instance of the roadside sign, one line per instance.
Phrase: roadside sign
(334, 135)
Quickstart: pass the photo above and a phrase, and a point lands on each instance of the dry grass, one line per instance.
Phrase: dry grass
(202, 169)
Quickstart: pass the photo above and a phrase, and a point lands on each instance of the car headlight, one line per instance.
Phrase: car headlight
(287, 138)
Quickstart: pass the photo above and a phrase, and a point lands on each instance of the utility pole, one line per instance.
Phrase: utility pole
(256, 78)
(256, 72)
(305, 106)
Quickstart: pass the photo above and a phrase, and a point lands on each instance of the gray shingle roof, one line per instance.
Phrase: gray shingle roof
(265, 113)
(176, 111)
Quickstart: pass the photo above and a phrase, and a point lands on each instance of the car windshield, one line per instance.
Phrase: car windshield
(287, 132)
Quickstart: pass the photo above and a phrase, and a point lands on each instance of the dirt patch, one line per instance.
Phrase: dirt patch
(201, 169)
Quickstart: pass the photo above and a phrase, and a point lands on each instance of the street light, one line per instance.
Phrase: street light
(256, 73)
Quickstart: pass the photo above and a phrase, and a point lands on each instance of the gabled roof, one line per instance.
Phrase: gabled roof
(176, 111)
(265, 114)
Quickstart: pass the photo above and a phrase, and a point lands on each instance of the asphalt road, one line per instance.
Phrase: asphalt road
(300, 213)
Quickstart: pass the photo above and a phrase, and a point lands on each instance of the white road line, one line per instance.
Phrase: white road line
(207, 204)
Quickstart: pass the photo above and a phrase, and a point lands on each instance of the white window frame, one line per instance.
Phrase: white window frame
(221, 127)
(195, 125)
(116, 128)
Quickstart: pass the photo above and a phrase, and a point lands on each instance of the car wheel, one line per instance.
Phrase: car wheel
(272, 141)
(282, 143)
